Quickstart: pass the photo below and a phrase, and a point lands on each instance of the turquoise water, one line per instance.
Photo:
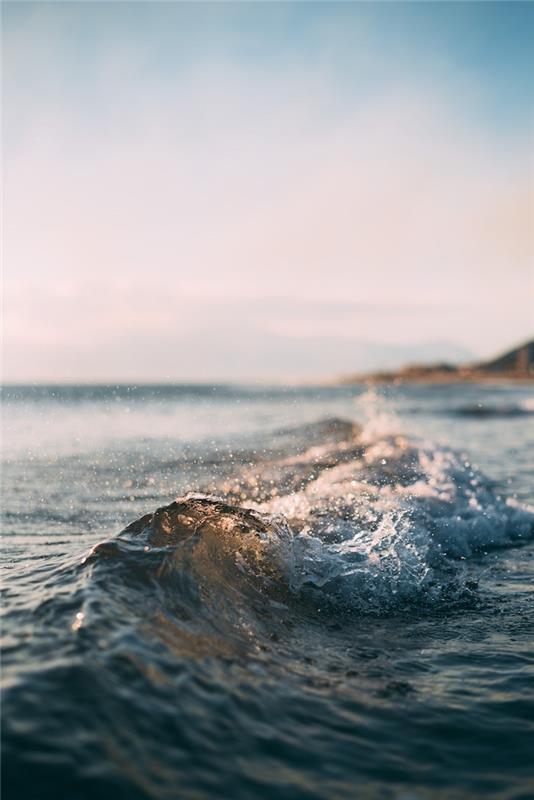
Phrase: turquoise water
(365, 630)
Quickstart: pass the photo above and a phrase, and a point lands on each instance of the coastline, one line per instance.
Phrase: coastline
(515, 366)
(439, 379)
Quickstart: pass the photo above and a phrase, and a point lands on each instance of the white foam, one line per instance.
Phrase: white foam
(397, 522)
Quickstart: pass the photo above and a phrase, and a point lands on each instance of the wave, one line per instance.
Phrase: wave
(368, 522)
(484, 410)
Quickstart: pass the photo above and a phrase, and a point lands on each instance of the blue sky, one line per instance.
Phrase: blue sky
(191, 176)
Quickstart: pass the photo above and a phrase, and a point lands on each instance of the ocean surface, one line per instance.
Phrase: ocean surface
(340, 604)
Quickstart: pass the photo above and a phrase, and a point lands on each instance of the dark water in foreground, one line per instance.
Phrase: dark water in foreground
(366, 630)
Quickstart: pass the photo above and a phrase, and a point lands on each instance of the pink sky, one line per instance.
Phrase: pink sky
(228, 203)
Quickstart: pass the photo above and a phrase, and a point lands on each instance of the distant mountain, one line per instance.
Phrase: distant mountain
(518, 362)
(515, 364)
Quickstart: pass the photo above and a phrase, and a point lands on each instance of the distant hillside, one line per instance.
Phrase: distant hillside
(516, 364)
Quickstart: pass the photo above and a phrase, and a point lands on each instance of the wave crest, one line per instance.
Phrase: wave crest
(369, 520)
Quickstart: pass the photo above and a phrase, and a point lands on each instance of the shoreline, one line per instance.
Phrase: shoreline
(396, 379)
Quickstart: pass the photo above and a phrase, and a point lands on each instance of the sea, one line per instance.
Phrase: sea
(238, 592)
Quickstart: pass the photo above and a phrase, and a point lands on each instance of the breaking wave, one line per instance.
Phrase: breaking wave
(368, 520)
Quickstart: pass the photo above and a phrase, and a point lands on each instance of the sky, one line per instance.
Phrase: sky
(271, 191)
